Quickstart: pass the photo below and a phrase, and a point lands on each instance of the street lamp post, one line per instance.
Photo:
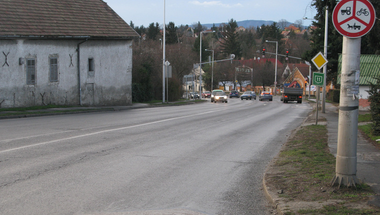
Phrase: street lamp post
(275, 69)
(200, 61)
(200, 64)
(212, 69)
(163, 60)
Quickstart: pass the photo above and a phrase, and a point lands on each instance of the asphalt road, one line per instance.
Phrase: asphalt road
(194, 159)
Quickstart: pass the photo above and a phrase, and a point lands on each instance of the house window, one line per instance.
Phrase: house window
(30, 71)
(91, 67)
(53, 69)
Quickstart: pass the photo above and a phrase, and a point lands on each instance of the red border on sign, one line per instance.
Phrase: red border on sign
(368, 25)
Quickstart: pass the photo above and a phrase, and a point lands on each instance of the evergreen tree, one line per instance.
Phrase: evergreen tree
(171, 33)
(270, 32)
(334, 46)
(153, 31)
(247, 44)
(230, 43)
(374, 98)
(205, 45)
(370, 42)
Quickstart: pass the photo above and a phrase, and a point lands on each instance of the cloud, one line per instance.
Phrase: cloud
(214, 3)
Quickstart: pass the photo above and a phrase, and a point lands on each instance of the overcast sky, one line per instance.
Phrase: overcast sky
(144, 12)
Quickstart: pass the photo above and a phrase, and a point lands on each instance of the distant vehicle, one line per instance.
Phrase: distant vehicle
(292, 92)
(220, 97)
(248, 95)
(265, 95)
(186, 95)
(194, 95)
(213, 94)
(234, 93)
(206, 94)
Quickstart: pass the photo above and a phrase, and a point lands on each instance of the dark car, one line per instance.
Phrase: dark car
(194, 95)
(213, 94)
(234, 93)
(265, 96)
(220, 97)
(206, 94)
(248, 95)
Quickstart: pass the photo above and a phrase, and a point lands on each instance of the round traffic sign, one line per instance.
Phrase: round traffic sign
(354, 18)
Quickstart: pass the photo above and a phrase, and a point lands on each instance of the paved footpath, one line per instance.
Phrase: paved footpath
(368, 155)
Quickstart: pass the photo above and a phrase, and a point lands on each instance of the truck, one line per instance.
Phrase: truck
(292, 92)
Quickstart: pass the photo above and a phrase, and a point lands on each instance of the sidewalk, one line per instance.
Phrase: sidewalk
(67, 110)
(368, 161)
(81, 109)
(368, 156)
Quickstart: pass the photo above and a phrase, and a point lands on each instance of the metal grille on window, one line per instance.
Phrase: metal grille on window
(53, 69)
(31, 72)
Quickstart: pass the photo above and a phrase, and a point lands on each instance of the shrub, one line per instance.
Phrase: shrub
(334, 95)
(374, 98)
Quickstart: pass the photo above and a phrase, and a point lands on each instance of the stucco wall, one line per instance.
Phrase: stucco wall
(109, 84)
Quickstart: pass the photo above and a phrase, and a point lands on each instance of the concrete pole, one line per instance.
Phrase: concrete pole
(346, 159)
(325, 67)
(309, 80)
(200, 64)
(163, 59)
(275, 72)
(212, 71)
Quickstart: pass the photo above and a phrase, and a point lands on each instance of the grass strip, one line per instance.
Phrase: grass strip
(365, 117)
(306, 169)
(367, 130)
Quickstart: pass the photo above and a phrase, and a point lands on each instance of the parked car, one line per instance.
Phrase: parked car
(234, 93)
(220, 97)
(248, 95)
(206, 94)
(265, 96)
(213, 94)
(194, 95)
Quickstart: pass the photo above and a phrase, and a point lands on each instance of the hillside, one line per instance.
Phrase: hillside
(247, 23)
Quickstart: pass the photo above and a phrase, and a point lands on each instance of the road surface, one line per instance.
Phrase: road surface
(194, 159)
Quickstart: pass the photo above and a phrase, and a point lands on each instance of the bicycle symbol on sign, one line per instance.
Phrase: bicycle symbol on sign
(362, 11)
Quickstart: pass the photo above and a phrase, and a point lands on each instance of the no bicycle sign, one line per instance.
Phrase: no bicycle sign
(354, 18)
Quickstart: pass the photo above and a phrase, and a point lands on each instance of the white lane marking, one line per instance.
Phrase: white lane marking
(100, 132)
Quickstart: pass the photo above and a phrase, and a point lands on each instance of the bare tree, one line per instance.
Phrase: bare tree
(282, 24)
(299, 24)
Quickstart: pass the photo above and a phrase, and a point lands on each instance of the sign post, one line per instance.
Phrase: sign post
(353, 19)
(318, 78)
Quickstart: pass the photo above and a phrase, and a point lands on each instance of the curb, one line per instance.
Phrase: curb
(279, 203)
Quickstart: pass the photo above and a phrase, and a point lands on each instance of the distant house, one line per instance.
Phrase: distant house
(64, 52)
(296, 76)
(369, 70)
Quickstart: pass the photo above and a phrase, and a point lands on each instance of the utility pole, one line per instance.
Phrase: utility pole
(325, 54)
(346, 158)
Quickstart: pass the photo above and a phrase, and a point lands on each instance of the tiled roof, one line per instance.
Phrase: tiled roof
(369, 68)
(61, 18)
(303, 68)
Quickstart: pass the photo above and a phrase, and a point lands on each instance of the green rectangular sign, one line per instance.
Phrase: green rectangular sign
(318, 78)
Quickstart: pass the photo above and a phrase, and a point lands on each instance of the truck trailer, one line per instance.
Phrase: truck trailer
(292, 92)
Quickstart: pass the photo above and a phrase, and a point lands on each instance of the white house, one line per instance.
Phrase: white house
(369, 71)
(71, 52)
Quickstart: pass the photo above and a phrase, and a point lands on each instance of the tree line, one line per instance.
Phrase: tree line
(182, 51)
(182, 44)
